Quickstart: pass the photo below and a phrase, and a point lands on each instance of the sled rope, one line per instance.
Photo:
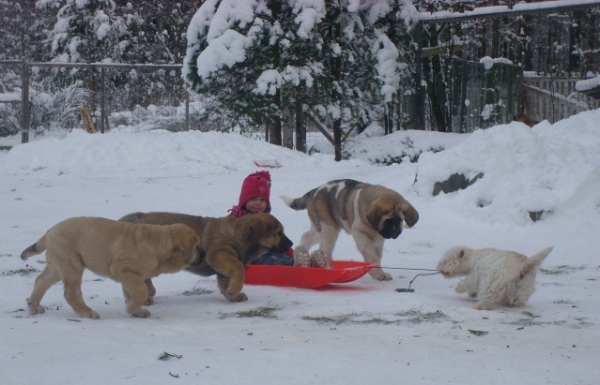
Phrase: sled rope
(409, 289)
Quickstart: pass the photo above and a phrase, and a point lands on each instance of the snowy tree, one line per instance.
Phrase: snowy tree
(260, 62)
(22, 29)
(118, 31)
(87, 31)
(157, 29)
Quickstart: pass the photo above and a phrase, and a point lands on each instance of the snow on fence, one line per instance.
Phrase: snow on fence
(553, 99)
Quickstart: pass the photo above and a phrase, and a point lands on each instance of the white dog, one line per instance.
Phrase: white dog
(495, 276)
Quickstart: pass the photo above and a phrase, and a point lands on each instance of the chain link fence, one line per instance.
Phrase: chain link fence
(119, 97)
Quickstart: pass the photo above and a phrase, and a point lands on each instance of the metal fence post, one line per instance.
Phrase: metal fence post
(187, 109)
(25, 102)
(419, 106)
(102, 110)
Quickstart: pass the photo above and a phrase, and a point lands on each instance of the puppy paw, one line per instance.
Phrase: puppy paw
(89, 314)
(380, 275)
(241, 297)
(36, 309)
(142, 313)
(461, 287)
(482, 306)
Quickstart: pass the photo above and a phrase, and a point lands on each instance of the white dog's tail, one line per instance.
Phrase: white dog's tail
(35, 249)
(535, 261)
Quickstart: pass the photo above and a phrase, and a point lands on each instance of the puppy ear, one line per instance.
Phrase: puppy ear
(374, 215)
(192, 252)
(185, 243)
(411, 215)
(256, 227)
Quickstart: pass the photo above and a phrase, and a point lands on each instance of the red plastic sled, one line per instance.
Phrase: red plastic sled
(306, 277)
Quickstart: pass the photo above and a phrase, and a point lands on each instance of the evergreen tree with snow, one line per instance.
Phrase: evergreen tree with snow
(261, 62)
(87, 31)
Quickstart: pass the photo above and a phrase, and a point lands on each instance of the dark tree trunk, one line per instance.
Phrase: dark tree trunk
(300, 128)
(495, 38)
(336, 71)
(574, 45)
(275, 136)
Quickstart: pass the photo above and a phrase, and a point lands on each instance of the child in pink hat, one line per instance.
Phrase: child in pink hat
(255, 199)
(254, 196)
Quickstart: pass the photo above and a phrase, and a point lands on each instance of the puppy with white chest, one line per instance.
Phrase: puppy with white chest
(494, 276)
(370, 213)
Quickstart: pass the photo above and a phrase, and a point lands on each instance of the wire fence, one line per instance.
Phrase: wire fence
(119, 97)
(154, 98)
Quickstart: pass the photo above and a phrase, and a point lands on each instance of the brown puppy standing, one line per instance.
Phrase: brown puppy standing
(229, 244)
(370, 213)
(123, 252)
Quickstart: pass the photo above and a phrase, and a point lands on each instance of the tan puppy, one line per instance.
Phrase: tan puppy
(495, 276)
(126, 253)
(196, 223)
(229, 244)
(370, 213)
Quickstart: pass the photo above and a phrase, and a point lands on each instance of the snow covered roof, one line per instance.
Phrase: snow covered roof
(501, 10)
(590, 87)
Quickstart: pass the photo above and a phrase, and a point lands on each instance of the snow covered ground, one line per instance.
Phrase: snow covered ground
(362, 332)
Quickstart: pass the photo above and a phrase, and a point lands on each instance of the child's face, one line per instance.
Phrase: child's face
(256, 205)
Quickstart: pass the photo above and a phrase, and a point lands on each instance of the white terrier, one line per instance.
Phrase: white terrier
(495, 276)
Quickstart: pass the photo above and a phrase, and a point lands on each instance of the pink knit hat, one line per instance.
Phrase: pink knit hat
(257, 184)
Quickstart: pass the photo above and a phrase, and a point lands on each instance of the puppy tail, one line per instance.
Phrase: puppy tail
(35, 249)
(296, 204)
(535, 261)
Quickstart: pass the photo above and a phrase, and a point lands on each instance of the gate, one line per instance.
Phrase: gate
(483, 94)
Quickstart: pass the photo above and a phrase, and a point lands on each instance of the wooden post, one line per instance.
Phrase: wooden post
(86, 119)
